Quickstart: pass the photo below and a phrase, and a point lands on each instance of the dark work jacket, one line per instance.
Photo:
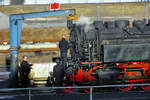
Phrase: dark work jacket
(63, 45)
(58, 72)
(25, 66)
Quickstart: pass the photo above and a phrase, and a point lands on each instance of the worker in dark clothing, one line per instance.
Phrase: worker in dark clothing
(69, 24)
(58, 73)
(25, 70)
(63, 45)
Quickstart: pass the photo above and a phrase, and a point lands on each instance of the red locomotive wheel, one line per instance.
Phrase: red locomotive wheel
(147, 87)
(125, 88)
(68, 90)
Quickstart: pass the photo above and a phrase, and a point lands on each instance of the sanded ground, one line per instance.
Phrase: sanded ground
(38, 34)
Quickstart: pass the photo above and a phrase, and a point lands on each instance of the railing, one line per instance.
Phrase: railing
(76, 87)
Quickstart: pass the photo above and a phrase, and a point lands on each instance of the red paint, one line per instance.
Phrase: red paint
(68, 90)
(127, 88)
(54, 6)
(91, 63)
(79, 75)
(131, 69)
(87, 90)
(147, 87)
(88, 76)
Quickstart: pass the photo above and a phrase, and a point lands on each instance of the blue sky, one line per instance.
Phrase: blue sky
(74, 1)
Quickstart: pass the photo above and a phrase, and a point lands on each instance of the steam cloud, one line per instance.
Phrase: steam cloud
(83, 20)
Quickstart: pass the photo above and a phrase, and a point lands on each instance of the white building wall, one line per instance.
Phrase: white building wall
(76, 1)
(7, 2)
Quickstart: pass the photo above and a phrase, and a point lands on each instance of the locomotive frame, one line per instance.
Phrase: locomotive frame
(109, 53)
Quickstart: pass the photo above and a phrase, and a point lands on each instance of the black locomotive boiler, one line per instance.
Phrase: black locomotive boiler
(109, 52)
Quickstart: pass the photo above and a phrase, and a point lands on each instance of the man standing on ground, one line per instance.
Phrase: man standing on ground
(25, 70)
(58, 73)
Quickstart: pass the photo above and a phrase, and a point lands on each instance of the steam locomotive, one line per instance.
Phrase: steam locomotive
(109, 52)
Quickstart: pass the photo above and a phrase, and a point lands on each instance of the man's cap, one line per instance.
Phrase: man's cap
(57, 60)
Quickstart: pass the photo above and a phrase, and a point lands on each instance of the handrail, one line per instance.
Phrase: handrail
(75, 87)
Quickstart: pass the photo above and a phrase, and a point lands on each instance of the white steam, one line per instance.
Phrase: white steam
(83, 20)
(86, 22)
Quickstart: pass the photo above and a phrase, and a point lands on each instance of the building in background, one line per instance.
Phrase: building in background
(28, 2)
(79, 1)
(5, 2)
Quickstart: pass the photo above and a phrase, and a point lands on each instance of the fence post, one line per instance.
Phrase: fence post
(29, 94)
(91, 93)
